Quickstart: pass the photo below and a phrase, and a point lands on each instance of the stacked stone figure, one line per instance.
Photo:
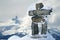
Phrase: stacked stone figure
(38, 16)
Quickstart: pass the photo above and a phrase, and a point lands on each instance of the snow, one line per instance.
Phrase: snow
(28, 37)
(14, 38)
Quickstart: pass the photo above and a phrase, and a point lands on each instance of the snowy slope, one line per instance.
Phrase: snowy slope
(28, 37)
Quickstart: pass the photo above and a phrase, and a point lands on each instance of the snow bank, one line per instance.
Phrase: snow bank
(28, 37)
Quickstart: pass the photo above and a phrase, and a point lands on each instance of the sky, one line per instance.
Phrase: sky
(11, 8)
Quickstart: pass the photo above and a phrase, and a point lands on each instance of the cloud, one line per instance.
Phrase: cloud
(11, 8)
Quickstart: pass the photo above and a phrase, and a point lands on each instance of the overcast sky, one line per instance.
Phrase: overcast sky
(11, 8)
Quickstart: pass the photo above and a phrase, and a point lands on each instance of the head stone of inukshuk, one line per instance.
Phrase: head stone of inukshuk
(38, 16)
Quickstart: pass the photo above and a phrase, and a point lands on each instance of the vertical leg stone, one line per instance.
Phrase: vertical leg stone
(44, 29)
(34, 28)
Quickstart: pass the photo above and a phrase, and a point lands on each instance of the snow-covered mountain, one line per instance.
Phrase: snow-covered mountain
(10, 27)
